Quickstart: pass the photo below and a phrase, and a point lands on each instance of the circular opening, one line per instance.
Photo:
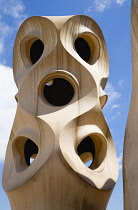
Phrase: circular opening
(83, 49)
(30, 151)
(58, 91)
(86, 151)
(36, 50)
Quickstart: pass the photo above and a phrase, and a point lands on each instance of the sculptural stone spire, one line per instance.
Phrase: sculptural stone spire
(60, 66)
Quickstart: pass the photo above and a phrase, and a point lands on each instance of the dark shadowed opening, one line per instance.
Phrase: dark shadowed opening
(30, 151)
(83, 49)
(58, 92)
(86, 151)
(36, 51)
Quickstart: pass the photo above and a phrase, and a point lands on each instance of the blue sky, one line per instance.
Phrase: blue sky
(113, 16)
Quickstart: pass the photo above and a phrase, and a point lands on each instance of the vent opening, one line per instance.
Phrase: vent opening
(36, 51)
(58, 91)
(83, 49)
(30, 151)
(86, 151)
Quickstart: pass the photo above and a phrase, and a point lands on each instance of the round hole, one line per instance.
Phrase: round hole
(30, 151)
(86, 151)
(83, 49)
(36, 51)
(58, 91)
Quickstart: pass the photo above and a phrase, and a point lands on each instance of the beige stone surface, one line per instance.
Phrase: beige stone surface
(60, 127)
(130, 162)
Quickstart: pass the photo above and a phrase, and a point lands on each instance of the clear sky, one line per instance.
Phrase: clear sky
(113, 16)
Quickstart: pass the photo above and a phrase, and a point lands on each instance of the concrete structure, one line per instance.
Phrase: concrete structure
(60, 66)
(130, 160)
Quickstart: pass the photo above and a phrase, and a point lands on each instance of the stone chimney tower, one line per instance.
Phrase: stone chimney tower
(60, 66)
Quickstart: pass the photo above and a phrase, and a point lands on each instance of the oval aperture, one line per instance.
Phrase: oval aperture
(36, 50)
(30, 151)
(86, 151)
(83, 49)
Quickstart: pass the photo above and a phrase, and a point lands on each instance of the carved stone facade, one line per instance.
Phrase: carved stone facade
(60, 66)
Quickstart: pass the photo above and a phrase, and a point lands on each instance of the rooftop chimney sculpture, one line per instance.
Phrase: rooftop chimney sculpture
(60, 66)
